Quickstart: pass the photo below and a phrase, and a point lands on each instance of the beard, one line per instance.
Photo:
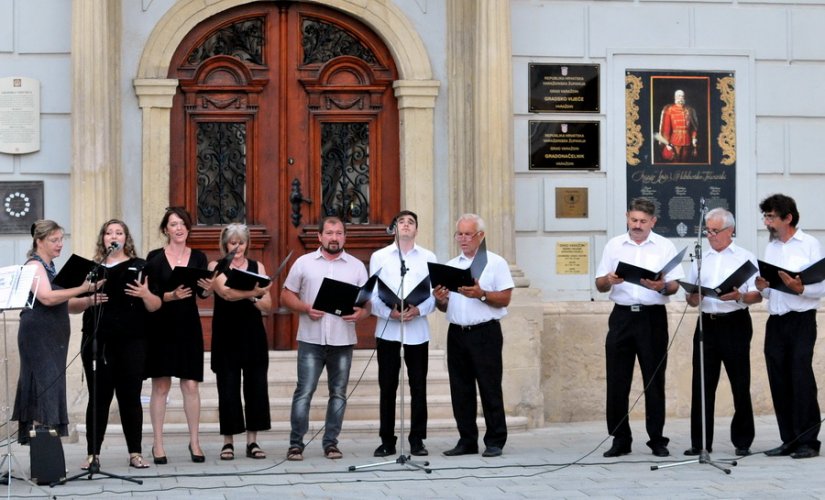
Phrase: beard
(772, 235)
(333, 248)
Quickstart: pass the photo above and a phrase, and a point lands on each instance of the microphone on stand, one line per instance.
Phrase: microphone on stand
(391, 227)
(223, 265)
(114, 246)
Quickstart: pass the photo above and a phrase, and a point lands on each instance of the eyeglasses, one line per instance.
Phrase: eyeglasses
(715, 232)
(465, 236)
(770, 217)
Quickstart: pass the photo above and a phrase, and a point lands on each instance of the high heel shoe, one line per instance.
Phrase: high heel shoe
(158, 460)
(196, 458)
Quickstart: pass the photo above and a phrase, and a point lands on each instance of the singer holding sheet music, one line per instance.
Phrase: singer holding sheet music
(790, 333)
(240, 354)
(119, 316)
(324, 340)
(474, 341)
(416, 334)
(637, 326)
(727, 329)
(43, 338)
(175, 340)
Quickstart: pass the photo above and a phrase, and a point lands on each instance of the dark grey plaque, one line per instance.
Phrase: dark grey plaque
(22, 206)
(564, 145)
(564, 88)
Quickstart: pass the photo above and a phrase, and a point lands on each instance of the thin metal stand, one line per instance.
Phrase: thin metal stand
(94, 465)
(402, 458)
(704, 455)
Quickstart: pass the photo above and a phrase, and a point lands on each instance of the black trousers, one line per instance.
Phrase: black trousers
(252, 414)
(474, 357)
(789, 349)
(727, 340)
(119, 372)
(641, 334)
(416, 357)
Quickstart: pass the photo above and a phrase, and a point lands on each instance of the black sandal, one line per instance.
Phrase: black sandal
(254, 451)
(228, 452)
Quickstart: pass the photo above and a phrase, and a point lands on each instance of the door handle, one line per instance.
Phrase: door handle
(296, 197)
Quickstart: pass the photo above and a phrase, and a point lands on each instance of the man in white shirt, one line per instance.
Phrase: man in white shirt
(726, 335)
(790, 333)
(387, 263)
(474, 342)
(637, 326)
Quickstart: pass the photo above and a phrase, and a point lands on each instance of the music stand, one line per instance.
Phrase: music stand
(402, 458)
(704, 455)
(15, 284)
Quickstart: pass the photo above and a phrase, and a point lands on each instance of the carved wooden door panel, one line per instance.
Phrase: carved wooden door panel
(285, 114)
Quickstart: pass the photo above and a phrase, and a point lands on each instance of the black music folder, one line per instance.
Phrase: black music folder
(811, 274)
(635, 274)
(735, 280)
(240, 279)
(188, 276)
(414, 297)
(340, 298)
(74, 272)
(449, 276)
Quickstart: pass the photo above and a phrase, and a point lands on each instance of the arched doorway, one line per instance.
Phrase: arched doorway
(284, 113)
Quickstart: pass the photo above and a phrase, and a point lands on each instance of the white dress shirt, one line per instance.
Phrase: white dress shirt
(416, 330)
(716, 267)
(496, 277)
(799, 252)
(652, 254)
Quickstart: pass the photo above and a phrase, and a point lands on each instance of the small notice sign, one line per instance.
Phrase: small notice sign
(572, 257)
(19, 115)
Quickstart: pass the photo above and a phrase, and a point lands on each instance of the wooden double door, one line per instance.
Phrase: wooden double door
(284, 114)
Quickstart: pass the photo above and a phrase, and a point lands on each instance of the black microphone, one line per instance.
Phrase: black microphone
(112, 247)
(223, 265)
(702, 205)
(391, 227)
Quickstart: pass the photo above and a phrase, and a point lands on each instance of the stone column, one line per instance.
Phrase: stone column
(155, 100)
(416, 104)
(95, 118)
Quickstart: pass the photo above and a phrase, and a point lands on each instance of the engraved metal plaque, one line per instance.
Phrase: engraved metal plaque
(22, 206)
(571, 202)
(564, 88)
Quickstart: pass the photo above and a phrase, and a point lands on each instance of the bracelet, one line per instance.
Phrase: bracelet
(254, 299)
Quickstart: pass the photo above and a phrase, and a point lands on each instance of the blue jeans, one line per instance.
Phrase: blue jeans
(311, 361)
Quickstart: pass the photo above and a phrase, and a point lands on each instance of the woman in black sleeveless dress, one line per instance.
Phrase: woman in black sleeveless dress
(239, 346)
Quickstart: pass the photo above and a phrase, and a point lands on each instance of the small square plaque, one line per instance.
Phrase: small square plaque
(571, 202)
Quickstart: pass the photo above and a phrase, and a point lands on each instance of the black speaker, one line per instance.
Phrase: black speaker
(48, 464)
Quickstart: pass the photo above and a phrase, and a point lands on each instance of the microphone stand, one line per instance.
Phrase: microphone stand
(704, 455)
(402, 458)
(94, 465)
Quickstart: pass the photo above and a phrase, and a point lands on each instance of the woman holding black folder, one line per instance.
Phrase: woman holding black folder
(117, 324)
(239, 346)
(43, 338)
(175, 340)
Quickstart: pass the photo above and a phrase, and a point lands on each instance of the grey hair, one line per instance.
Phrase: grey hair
(234, 229)
(721, 213)
(475, 218)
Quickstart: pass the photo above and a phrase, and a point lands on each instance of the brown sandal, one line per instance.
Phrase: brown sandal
(254, 451)
(295, 454)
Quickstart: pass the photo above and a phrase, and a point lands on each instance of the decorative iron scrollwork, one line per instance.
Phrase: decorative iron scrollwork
(243, 40)
(324, 41)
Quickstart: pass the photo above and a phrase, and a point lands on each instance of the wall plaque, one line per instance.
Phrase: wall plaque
(564, 88)
(22, 206)
(19, 115)
(564, 145)
(571, 202)
(572, 257)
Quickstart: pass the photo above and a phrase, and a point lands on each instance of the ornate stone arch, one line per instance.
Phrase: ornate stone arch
(415, 91)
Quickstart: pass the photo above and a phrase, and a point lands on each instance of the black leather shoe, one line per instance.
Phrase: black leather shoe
(692, 451)
(742, 452)
(617, 450)
(660, 450)
(779, 451)
(198, 459)
(159, 460)
(384, 450)
(419, 450)
(461, 450)
(492, 451)
(805, 451)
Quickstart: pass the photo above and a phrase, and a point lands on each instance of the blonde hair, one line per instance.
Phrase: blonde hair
(41, 230)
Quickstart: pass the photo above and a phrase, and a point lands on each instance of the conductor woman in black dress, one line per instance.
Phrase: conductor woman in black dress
(239, 346)
(117, 323)
(175, 337)
(43, 338)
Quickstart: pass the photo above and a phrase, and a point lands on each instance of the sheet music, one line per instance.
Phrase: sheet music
(15, 285)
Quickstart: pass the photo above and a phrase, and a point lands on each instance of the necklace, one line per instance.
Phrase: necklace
(179, 258)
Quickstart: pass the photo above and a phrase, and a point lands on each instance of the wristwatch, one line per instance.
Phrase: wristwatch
(483, 297)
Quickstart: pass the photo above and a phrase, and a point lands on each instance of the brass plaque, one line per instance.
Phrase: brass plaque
(571, 202)
(572, 257)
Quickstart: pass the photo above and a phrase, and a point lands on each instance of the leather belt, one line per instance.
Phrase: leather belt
(637, 307)
(469, 328)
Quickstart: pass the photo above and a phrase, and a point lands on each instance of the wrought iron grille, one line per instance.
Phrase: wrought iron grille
(323, 41)
(244, 40)
(221, 172)
(345, 170)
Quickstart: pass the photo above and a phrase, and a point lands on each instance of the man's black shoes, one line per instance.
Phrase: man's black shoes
(461, 450)
(742, 452)
(384, 450)
(779, 451)
(660, 450)
(805, 451)
(617, 450)
(492, 451)
(418, 449)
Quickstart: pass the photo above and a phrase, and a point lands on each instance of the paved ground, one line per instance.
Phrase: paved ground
(559, 461)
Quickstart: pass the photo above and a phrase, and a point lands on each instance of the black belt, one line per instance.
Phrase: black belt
(713, 316)
(477, 326)
(637, 307)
